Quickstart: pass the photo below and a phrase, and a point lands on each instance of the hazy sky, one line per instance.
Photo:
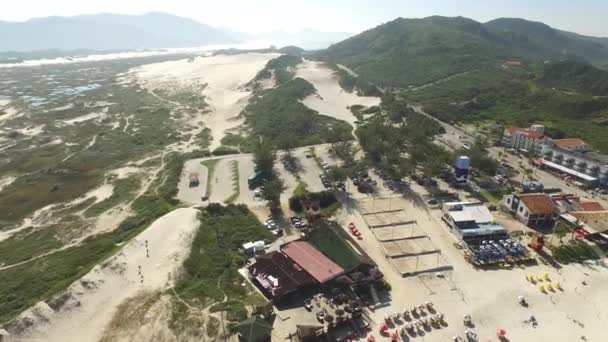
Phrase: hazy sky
(582, 16)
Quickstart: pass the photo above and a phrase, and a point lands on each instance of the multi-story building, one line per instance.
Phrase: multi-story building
(525, 139)
(573, 157)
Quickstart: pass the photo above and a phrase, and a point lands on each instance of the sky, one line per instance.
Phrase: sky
(255, 16)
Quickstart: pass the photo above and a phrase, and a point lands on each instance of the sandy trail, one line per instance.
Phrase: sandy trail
(86, 117)
(92, 300)
(224, 76)
(331, 99)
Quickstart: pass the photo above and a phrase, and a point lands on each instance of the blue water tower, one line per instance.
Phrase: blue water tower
(461, 169)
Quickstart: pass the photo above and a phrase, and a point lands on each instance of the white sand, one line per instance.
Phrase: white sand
(125, 172)
(9, 113)
(6, 181)
(331, 99)
(224, 76)
(101, 193)
(31, 130)
(66, 107)
(95, 297)
(86, 117)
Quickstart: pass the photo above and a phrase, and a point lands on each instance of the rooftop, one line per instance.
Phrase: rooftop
(569, 142)
(278, 274)
(530, 133)
(591, 206)
(568, 171)
(539, 204)
(469, 212)
(312, 261)
(597, 221)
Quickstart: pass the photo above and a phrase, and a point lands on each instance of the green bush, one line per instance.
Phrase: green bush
(224, 150)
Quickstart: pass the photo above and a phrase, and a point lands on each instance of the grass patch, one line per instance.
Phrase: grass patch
(224, 150)
(27, 244)
(236, 185)
(212, 327)
(574, 252)
(235, 310)
(210, 165)
(184, 321)
(491, 196)
(301, 189)
(211, 270)
(279, 116)
(242, 143)
(333, 246)
(124, 189)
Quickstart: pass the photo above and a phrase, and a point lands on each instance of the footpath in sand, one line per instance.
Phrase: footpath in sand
(147, 263)
(224, 76)
(331, 99)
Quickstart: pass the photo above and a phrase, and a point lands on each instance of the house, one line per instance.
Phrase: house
(525, 139)
(534, 210)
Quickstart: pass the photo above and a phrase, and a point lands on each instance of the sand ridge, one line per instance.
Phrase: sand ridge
(330, 99)
(224, 76)
(149, 262)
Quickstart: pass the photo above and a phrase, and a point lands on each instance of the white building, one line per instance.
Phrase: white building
(525, 139)
(573, 157)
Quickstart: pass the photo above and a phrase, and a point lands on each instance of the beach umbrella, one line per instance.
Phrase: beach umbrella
(394, 336)
(501, 332)
(383, 327)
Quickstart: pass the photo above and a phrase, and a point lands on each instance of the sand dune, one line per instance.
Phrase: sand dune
(89, 304)
(224, 77)
(331, 99)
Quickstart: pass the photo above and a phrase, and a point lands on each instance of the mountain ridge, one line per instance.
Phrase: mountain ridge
(405, 52)
(108, 31)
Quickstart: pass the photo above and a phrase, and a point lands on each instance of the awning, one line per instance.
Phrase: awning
(569, 171)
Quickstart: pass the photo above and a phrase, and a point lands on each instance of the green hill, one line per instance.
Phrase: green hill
(574, 76)
(407, 52)
(550, 43)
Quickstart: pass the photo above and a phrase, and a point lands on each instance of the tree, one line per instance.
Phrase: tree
(345, 150)
(264, 157)
(336, 174)
(271, 192)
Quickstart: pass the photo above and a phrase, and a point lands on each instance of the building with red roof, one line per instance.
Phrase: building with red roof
(534, 210)
(320, 267)
(528, 139)
(278, 275)
(571, 144)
